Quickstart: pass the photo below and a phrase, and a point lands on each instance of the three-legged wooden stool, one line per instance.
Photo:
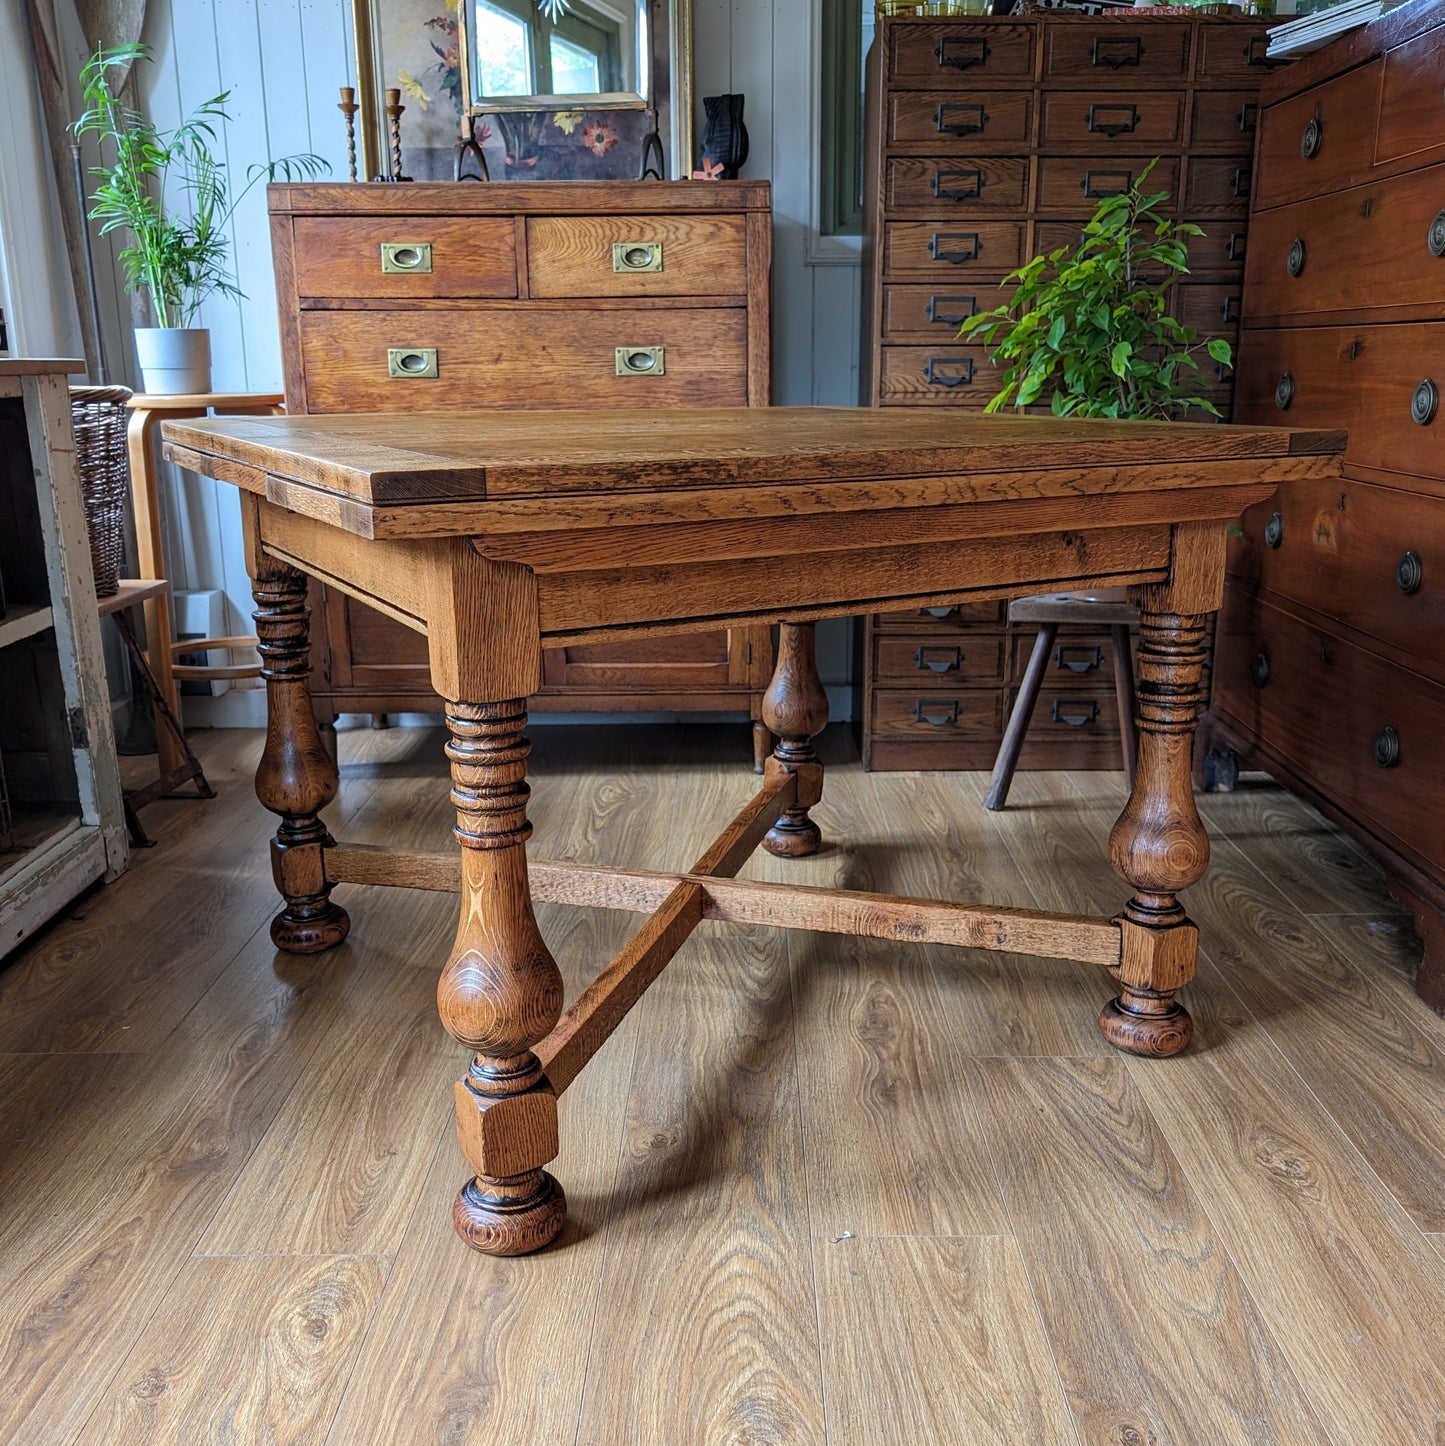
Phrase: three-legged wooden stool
(1105, 607)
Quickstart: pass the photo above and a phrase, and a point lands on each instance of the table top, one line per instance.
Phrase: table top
(386, 458)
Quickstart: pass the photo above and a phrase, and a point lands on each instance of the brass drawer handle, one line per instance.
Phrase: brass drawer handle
(951, 658)
(406, 258)
(641, 361)
(1274, 530)
(968, 306)
(1089, 657)
(1425, 403)
(1127, 121)
(1294, 263)
(946, 719)
(1387, 747)
(962, 377)
(1284, 392)
(1076, 719)
(1435, 240)
(411, 361)
(636, 256)
(1311, 141)
(1259, 669)
(1409, 573)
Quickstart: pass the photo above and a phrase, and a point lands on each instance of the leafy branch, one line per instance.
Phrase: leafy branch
(1090, 327)
(179, 260)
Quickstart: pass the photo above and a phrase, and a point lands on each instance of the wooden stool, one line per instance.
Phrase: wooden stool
(1103, 607)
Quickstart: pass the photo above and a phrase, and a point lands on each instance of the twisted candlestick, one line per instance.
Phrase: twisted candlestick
(348, 107)
(393, 109)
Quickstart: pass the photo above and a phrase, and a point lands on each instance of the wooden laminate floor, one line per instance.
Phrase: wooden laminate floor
(821, 1189)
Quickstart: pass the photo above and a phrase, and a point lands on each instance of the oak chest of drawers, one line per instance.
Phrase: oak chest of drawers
(989, 141)
(1331, 650)
(539, 295)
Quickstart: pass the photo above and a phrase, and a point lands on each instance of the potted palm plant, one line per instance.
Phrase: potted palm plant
(1088, 328)
(169, 191)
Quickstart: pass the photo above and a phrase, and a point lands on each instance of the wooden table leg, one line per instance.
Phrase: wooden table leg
(795, 707)
(297, 777)
(1159, 844)
(500, 993)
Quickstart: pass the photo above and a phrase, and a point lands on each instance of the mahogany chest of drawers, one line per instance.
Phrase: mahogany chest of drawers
(437, 298)
(989, 141)
(1330, 667)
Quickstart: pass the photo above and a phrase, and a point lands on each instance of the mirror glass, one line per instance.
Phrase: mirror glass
(558, 53)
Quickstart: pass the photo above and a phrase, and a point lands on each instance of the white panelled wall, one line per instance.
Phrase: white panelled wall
(283, 61)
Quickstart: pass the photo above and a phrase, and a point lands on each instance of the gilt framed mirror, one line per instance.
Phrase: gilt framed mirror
(550, 89)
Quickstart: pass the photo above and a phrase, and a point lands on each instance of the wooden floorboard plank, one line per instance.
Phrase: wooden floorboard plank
(1351, 1289)
(1153, 1332)
(243, 1351)
(934, 1341)
(1387, 949)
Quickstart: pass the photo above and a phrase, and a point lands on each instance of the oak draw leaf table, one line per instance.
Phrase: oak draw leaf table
(500, 534)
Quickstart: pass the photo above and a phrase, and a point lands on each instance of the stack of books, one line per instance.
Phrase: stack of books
(1310, 32)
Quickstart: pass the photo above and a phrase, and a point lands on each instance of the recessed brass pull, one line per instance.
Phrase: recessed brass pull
(1311, 140)
(1259, 669)
(636, 256)
(641, 361)
(1409, 573)
(1284, 392)
(411, 361)
(1435, 238)
(1387, 747)
(1425, 403)
(1294, 263)
(1274, 530)
(406, 258)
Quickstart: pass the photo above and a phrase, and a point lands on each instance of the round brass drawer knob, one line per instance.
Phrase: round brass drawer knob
(1425, 403)
(1387, 748)
(1309, 145)
(1274, 530)
(1284, 392)
(1436, 237)
(1409, 573)
(1295, 261)
(1259, 669)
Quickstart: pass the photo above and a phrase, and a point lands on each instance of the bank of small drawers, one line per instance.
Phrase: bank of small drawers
(1332, 639)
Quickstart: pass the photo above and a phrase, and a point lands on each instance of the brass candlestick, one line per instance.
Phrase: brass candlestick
(393, 109)
(348, 107)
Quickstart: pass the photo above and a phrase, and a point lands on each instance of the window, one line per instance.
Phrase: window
(847, 32)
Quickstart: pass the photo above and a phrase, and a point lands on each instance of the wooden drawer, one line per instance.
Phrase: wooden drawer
(1367, 247)
(947, 375)
(1225, 118)
(963, 56)
(943, 618)
(1229, 52)
(1333, 123)
(437, 256)
(1119, 54)
(637, 256)
(929, 712)
(933, 314)
(1107, 119)
(527, 358)
(1412, 103)
(1074, 185)
(1325, 706)
(1078, 661)
(1221, 248)
(988, 248)
(1363, 379)
(926, 660)
(1210, 308)
(1217, 183)
(681, 662)
(945, 120)
(943, 185)
(1370, 556)
(1072, 716)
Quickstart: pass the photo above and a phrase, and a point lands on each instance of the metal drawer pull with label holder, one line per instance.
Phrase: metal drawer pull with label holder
(636, 256)
(406, 258)
(411, 362)
(947, 660)
(936, 712)
(1074, 712)
(641, 361)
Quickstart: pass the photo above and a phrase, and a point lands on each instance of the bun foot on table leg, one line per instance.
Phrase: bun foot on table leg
(1142, 1021)
(310, 932)
(510, 1217)
(793, 838)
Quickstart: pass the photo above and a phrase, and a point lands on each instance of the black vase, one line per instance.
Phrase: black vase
(725, 137)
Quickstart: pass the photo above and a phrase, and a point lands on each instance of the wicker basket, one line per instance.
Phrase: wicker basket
(99, 415)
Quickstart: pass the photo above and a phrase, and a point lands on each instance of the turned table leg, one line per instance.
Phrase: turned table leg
(796, 709)
(500, 992)
(297, 776)
(1159, 844)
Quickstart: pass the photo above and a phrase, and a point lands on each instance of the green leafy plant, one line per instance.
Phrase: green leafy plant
(178, 259)
(1089, 326)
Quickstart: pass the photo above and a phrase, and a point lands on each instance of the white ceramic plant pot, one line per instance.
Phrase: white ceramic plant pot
(173, 360)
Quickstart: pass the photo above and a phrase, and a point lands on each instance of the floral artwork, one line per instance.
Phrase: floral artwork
(598, 137)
